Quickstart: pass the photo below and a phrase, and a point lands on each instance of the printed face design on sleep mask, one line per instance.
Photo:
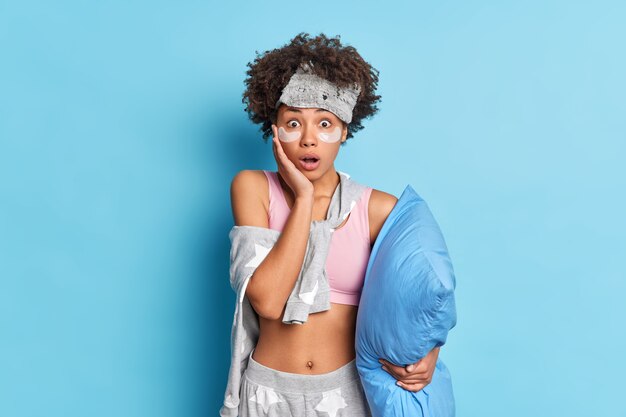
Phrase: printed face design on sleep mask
(331, 137)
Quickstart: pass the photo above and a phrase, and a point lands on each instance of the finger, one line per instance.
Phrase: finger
(277, 156)
(393, 373)
(420, 368)
(418, 375)
(274, 150)
(279, 148)
(397, 370)
(274, 136)
(411, 387)
(407, 380)
(287, 164)
(415, 380)
(410, 368)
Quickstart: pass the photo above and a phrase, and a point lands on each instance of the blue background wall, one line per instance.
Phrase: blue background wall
(121, 126)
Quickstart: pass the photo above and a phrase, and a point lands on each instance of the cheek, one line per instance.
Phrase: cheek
(285, 136)
(331, 137)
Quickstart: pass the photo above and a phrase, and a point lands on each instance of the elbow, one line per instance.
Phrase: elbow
(269, 312)
(266, 310)
(263, 306)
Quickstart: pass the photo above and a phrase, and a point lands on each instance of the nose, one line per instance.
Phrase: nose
(309, 137)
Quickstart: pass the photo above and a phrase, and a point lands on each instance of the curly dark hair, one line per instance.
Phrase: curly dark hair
(342, 65)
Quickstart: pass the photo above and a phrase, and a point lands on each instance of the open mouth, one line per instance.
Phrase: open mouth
(309, 163)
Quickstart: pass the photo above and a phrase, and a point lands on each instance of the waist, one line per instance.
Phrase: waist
(322, 344)
(294, 382)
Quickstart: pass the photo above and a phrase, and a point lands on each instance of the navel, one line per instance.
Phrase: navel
(309, 365)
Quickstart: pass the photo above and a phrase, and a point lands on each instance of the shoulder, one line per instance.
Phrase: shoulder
(380, 205)
(381, 202)
(249, 198)
(248, 179)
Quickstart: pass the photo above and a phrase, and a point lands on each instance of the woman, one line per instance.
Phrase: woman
(310, 369)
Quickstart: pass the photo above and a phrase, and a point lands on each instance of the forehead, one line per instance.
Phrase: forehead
(305, 110)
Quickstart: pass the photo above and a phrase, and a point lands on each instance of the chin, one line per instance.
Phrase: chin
(315, 175)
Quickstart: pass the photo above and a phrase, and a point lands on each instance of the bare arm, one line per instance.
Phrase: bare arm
(380, 206)
(274, 278)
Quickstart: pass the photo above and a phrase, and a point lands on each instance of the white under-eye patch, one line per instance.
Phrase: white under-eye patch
(331, 137)
(285, 136)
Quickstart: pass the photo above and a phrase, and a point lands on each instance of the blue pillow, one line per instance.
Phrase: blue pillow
(406, 309)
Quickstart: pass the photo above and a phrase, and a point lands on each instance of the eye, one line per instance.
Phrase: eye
(289, 123)
(327, 123)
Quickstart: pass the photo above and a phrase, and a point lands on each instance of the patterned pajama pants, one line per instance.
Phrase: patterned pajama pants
(268, 392)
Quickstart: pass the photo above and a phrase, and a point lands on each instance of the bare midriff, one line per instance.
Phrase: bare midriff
(325, 342)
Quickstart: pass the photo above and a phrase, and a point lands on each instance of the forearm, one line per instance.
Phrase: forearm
(274, 278)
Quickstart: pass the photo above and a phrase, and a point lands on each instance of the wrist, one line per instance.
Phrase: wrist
(306, 196)
(304, 199)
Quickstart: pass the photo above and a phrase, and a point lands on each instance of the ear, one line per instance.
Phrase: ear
(344, 133)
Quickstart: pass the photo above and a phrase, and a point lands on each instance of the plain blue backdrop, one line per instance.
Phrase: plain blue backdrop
(121, 126)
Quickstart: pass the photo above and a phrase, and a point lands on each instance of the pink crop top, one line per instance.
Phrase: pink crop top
(349, 247)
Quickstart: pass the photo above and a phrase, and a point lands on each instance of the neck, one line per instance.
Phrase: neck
(323, 186)
(326, 184)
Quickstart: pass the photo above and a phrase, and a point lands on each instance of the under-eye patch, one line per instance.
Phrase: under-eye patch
(331, 137)
(285, 136)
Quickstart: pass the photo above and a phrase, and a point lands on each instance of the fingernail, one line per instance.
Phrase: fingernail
(398, 383)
